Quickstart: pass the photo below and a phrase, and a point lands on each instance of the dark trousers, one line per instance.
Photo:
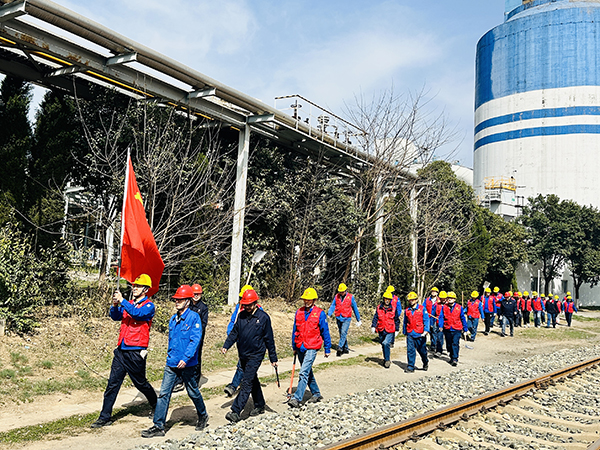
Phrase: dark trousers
(525, 317)
(452, 343)
(249, 385)
(487, 319)
(126, 362)
(568, 317)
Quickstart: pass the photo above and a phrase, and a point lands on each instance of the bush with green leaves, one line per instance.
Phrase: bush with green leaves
(28, 279)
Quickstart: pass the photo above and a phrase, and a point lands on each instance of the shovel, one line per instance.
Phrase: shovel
(289, 391)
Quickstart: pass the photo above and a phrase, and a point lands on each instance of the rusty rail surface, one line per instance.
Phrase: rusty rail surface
(415, 427)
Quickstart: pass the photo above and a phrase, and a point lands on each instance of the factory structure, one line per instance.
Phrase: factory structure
(537, 114)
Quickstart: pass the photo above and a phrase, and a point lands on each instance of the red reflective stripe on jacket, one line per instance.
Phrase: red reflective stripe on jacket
(307, 329)
(386, 318)
(415, 320)
(452, 317)
(473, 309)
(343, 307)
(135, 333)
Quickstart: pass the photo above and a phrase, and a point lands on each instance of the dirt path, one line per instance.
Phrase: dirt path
(367, 374)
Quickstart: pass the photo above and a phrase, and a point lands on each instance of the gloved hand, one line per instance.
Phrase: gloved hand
(373, 330)
(359, 323)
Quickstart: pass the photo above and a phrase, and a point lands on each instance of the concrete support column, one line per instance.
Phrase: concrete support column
(237, 237)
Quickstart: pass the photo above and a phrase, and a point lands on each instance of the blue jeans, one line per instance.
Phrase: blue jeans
(472, 324)
(237, 378)
(452, 343)
(414, 345)
(188, 375)
(537, 318)
(306, 377)
(343, 326)
(511, 322)
(437, 339)
(386, 340)
(551, 319)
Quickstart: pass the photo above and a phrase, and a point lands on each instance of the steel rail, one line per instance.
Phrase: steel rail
(415, 427)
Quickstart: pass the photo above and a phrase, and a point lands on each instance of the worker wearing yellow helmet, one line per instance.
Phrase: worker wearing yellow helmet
(342, 306)
(415, 327)
(309, 334)
(488, 302)
(239, 373)
(526, 308)
(130, 355)
(569, 308)
(474, 313)
(386, 322)
(453, 323)
(437, 336)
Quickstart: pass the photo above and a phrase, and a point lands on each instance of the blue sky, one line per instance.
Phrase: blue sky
(327, 51)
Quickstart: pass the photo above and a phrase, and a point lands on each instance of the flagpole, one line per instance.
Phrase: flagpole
(123, 214)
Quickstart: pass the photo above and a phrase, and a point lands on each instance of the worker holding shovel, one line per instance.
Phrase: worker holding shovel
(309, 334)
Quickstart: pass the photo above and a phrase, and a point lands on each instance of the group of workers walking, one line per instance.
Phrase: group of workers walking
(439, 316)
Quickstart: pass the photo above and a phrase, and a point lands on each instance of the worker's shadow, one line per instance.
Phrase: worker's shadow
(183, 414)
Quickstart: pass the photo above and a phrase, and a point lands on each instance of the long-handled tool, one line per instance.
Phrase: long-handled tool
(466, 345)
(289, 391)
(277, 375)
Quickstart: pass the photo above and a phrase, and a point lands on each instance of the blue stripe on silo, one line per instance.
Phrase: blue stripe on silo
(545, 50)
(539, 131)
(539, 114)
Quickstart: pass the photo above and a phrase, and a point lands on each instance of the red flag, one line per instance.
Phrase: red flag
(139, 253)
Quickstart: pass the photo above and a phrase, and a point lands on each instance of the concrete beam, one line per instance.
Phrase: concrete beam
(237, 238)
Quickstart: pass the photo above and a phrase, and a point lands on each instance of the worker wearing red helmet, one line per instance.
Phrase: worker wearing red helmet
(185, 331)
(130, 355)
(253, 334)
(200, 307)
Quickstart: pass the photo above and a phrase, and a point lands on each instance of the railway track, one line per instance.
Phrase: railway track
(560, 410)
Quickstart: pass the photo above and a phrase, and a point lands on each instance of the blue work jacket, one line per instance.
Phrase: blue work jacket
(185, 332)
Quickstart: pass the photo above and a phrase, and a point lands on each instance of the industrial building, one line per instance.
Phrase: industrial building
(537, 112)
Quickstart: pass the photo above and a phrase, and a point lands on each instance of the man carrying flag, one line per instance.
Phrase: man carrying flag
(141, 265)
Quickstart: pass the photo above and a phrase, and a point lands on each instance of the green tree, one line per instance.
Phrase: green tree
(547, 222)
(15, 138)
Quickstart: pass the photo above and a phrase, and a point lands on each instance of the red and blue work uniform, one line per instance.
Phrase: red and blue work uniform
(416, 324)
(437, 336)
(538, 306)
(386, 322)
(343, 308)
(454, 323)
(569, 308)
(309, 333)
(474, 313)
(134, 336)
(488, 303)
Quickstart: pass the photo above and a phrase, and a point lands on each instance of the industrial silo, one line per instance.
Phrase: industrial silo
(537, 102)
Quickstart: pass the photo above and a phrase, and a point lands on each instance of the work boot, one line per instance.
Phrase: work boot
(153, 431)
(229, 390)
(454, 363)
(101, 423)
(338, 353)
(315, 398)
(426, 367)
(387, 364)
(409, 370)
(346, 351)
(202, 422)
(232, 417)
(258, 410)
(293, 403)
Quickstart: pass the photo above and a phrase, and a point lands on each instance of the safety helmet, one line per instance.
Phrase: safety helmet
(508, 294)
(412, 296)
(388, 294)
(516, 294)
(443, 294)
(487, 289)
(244, 289)
(183, 291)
(568, 293)
(390, 288)
(143, 280)
(525, 294)
(250, 296)
(309, 294)
(496, 289)
(451, 294)
(569, 297)
(342, 287)
(534, 293)
(434, 289)
(556, 297)
(197, 288)
(474, 294)
(542, 296)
